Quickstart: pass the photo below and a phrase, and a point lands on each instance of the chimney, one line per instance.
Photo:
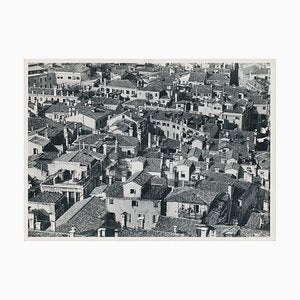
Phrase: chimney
(207, 163)
(104, 149)
(52, 222)
(101, 232)
(255, 137)
(110, 179)
(116, 146)
(149, 139)
(230, 191)
(55, 91)
(72, 232)
(202, 128)
(207, 146)
(124, 176)
(31, 220)
(175, 228)
(248, 144)
(171, 166)
(139, 135)
(38, 226)
(116, 233)
(227, 134)
(104, 81)
(36, 106)
(66, 135)
(176, 97)
(130, 131)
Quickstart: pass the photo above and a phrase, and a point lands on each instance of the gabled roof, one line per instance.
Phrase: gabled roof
(155, 86)
(86, 216)
(47, 197)
(140, 178)
(197, 77)
(191, 195)
(82, 156)
(121, 84)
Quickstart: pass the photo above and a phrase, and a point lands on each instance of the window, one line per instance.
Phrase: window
(35, 151)
(163, 124)
(69, 77)
(127, 92)
(134, 203)
(77, 197)
(154, 219)
(78, 78)
(132, 191)
(196, 209)
(174, 126)
(264, 108)
(111, 201)
(182, 175)
(129, 218)
(155, 204)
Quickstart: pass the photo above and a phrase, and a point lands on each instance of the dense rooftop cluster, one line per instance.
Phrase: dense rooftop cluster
(149, 150)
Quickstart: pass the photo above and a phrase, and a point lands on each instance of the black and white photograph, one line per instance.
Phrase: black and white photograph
(149, 149)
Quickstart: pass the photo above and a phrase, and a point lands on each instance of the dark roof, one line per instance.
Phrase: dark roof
(156, 192)
(115, 190)
(184, 226)
(40, 124)
(138, 232)
(140, 178)
(46, 197)
(121, 84)
(83, 157)
(192, 195)
(155, 86)
(125, 141)
(197, 77)
(86, 217)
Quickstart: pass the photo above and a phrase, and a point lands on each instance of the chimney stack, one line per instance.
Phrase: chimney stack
(66, 135)
(149, 139)
(101, 232)
(52, 222)
(72, 232)
(175, 228)
(116, 233)
(207, 163)
(38, 226)
(116, 146)
(31, 220)
(104, 149)
(248, 144)
(230, 191)
(130, 131)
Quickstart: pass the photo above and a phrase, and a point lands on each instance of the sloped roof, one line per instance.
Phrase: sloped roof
(85, 216)
(47, 197)
(121, 84)
(191, 195)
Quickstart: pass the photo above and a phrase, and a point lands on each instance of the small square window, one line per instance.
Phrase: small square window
(132, 191)
(111, 201)
(134, 203)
